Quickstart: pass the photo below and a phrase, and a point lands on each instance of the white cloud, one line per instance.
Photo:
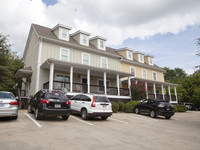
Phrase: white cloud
(115, 20)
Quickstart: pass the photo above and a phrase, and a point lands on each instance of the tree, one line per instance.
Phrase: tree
(138, 90)
(173, 76)
(198, 51)
(9, 64)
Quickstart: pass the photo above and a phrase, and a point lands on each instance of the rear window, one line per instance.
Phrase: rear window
(165, 103)
(7, 96)
(101, 99)
(56, 95)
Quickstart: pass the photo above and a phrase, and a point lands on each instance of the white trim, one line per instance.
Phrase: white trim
(149, 60)
(131, 71)
(68, 51)
(88, 57)
(99, 44)
(139, 58)
(143, 74)
(162, 88)
(106, 62)
(154, 90)
(51, 76)
(81, 39)
(61, 33)
(71, 79)
(105, 83)
(153, 76)
(127, 55)
(88, 80)
(118, 88)
(170, 98)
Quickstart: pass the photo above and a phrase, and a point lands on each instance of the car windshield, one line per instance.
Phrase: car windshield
(56, 95)
(101, 99)
(7, 96)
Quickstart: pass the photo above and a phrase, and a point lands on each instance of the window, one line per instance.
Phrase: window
(101, 44)
(129, 55)
(62, 78)
(101, 84)
(144, 73)
(150, 61)
(85, 59)
(133, 72)
(64, 34)
(154, 76)
(64, 54)
(141, 58)
(104, 62)
(84, 40)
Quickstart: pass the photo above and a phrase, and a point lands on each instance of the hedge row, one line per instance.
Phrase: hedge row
(120, 106)
(180, 108)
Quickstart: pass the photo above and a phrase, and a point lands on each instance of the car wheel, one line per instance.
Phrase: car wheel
(167, 117)
(84, 114)
(104, 118)
(152, 114)
(65, 117)
(30, 109)
(15, 117)
(37, 114)
(137, 111)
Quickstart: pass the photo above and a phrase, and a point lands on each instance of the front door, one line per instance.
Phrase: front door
(84, 85)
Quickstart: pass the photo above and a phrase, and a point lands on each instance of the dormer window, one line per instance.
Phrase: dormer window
(64, 33)
(84, 40)
(81, 37)
(150, 61)
(101, 44)
(61, 31)
(129, 55)
(98, 42)
(141, 58)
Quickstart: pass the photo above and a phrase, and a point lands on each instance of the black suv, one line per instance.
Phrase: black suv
(155, 107)
(46, 102)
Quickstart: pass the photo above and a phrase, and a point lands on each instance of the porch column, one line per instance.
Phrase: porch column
(118, 89)
(129, 85)
(71, 79)
(51, 76)
(154, 90)
(175, 92)
(170, 98)
(105, 87)
(146, 90)
(88, 80)
(163, 91)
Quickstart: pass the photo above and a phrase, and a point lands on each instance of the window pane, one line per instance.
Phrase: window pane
(64, 33)
(59, 78)
(133, 71)
(84, 40)
(65, 58)
(101, 43)
(66, 79)
(86, 59)
(64, 52)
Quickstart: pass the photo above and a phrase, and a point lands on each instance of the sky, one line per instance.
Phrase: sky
(166, 29)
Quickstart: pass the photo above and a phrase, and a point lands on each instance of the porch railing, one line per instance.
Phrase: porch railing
(160, 97)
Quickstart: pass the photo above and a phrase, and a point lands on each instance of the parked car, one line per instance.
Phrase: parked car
(8, 105)
(189, 106)
(155, 107)
(49, 103)
(91, 106)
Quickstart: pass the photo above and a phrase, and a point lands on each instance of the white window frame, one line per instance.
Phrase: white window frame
(99, 44)
(88, 57)
(61, 34)
(61, 54)
(153, 72)
(82, 36)
(139, 58)
(127, 55)
(103, 84)
(144, 77)
(102, 62)
(150, 60)
(134, 71)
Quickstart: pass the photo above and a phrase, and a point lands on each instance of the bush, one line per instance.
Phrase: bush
(115, 107)
(121, 106)
(133, 103)
(175, 108)
(181, 108)
(128, 108)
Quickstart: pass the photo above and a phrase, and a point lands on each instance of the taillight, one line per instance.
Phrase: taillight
(44, 101)
(68, 103)
(13, 103)
(93, 102)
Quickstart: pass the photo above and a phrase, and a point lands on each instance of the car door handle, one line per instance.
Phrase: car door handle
(75, 101)
(83, 102)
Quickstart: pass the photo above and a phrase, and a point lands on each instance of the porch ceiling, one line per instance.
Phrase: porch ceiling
(24, 72)
(80, 68)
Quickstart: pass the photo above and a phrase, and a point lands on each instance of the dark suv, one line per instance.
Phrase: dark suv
(155, 107)
(46, 102)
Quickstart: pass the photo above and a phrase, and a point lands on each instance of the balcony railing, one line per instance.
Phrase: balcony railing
(83, 88)
(160, 97)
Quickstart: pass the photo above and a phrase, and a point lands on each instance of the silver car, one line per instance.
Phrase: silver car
(8, 105)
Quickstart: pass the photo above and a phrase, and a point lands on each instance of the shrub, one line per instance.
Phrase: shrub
(128, 108)
(181, 108)
(121, 106)
(175, 108)
(133, 103)
(115, 107)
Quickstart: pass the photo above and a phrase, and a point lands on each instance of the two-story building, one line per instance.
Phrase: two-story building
(77, 63)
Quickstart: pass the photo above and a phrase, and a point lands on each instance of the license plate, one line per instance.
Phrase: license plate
(168, 109)
(103, 106)
(57, 105)
(1, 105)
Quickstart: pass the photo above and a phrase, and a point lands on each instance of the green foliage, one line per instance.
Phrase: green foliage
(121, 106)
(128, 108)
(175, 108)
(173, 75)
(9, 64)
(115, 107)
(181, 108)
(138, 90)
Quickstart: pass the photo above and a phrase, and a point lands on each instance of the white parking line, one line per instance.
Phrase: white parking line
(81, 120)
(33, 120)
(144, 118)
(118, 120)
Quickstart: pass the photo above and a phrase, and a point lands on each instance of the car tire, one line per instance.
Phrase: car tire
(30, 109)
(137, 111)
(15, 117)
(104, 118)
(152, 114)
(65, 117)
(167, 117)
(37, 114)
(84, 114)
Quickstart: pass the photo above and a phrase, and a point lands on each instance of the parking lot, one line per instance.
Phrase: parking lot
(121, 131)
